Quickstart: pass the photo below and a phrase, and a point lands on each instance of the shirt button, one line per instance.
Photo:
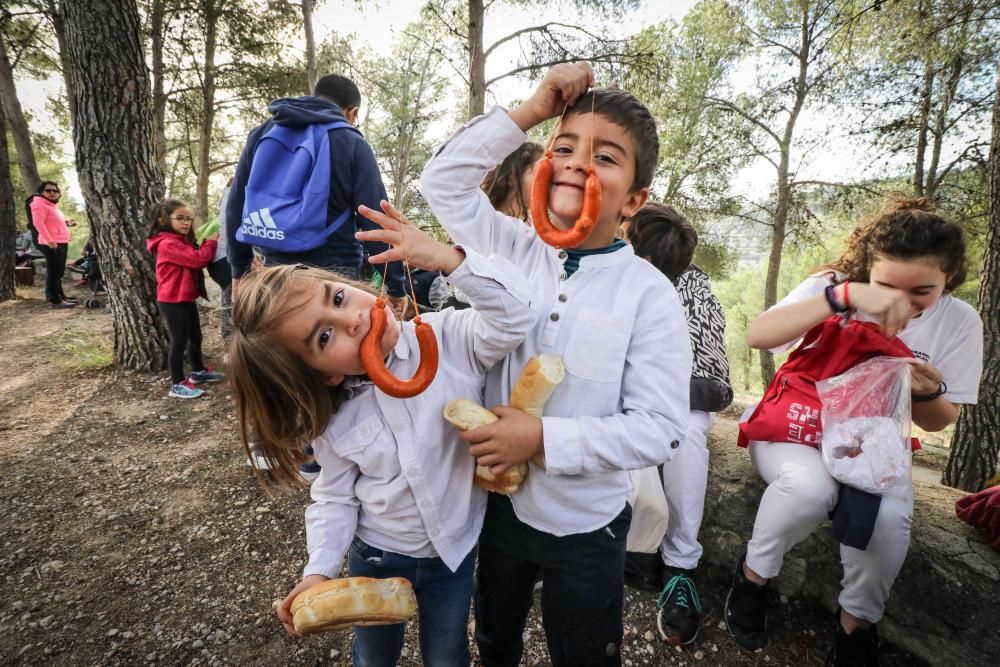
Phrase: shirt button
(562, 254)
(434, 532)
(562, 276)
(563, 297)
(554, 317)
(674, 444)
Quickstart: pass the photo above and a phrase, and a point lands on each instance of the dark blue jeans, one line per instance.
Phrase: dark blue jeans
(443, 599)
(582, 595)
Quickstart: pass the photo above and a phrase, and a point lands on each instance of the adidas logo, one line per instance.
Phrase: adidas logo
(260, 224)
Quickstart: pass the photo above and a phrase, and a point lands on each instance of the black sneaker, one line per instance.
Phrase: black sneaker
(679, 608)
(746, 610)
(858, 649)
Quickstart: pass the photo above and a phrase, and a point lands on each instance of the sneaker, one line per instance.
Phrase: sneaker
(258, 461)
(679, 608)
(83, 282)
(858, 649)
(309, 476)
(185, 390)
(71, 299)
(62, 304)
(207, 375)
(746, 610)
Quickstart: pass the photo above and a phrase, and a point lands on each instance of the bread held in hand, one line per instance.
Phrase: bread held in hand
(338, 604)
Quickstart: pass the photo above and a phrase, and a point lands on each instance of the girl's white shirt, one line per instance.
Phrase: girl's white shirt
(394, 472)
(948, 336)
(617, 323)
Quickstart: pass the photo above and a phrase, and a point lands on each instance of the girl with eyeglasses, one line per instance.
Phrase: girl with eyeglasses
(179, 282)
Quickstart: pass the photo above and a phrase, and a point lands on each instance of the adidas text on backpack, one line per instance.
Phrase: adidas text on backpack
(288, 191)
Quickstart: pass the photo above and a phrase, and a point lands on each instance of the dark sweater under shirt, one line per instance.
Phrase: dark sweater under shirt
(572, 262)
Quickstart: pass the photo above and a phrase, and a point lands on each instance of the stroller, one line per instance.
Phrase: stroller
(90, 268)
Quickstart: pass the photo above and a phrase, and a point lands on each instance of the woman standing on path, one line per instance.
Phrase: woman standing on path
(52, 231)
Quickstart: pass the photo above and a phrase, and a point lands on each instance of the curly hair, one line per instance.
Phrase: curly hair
(905, 229)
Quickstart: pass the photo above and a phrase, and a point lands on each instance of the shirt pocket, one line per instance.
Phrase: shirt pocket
(371, 446)
(597, 346)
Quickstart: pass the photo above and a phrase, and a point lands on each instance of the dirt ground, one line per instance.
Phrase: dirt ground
(134, 533)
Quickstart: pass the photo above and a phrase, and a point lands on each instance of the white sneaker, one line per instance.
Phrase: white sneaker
(309, 477)
(258, 461)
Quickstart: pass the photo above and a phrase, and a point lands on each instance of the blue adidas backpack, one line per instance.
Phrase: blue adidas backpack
(288, 192)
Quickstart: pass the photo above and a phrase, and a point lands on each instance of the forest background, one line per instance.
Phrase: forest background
(782, 124)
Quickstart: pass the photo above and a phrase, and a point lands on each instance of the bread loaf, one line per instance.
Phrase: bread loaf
(535, 385)
(464, 415)
(338, 604)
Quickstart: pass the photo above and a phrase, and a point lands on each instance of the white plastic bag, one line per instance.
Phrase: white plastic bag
(866, 424)
(649, 512)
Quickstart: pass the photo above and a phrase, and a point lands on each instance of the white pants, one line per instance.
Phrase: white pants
(799, 496)
(684, 480)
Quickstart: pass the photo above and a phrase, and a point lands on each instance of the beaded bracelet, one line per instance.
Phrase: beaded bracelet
(926, 398)
(832, 300)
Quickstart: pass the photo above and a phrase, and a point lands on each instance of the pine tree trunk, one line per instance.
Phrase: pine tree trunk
(156, 31)
(477, 61)
(18, 125)
(207, 111)
(312, 69)
(8, 226)
(67, 66)
(112, 133)
(976, 443)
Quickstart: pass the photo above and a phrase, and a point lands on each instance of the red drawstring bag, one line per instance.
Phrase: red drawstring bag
(790, 408)
(982, 510)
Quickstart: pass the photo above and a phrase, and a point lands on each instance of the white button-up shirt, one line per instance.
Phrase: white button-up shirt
(394, 472)
(616, 322)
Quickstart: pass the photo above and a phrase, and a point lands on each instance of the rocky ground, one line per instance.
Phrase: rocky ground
(133, 532)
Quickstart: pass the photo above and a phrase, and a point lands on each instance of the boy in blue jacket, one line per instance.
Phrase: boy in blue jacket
(354, 180)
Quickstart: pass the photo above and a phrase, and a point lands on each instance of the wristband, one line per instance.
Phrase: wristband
(926, 398)
(847, 299)
(832, 300)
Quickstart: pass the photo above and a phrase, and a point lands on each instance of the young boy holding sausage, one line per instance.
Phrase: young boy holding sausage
(618, 325)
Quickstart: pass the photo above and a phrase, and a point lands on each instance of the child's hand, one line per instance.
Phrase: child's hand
(515, 438)
(284, 609)
(408, 242)
(890, 307)
(924, 379)
(562, 85)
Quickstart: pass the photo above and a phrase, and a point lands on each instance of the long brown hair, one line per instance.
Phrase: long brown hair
(158, 218)
(905, 229)
(281, 404)
(503, 184)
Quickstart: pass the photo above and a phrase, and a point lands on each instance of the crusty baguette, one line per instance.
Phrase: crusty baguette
(534, 386)
(338, 604)
(464, 415)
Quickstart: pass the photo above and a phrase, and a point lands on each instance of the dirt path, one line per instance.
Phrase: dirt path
(133, 533)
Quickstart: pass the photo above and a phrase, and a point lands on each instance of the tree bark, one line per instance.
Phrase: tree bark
(212, 11)
(18, 124)
(976, 443)
(312, 69)
(477, 60)
(112, 133)
(784, 187)
(8, 226)
(157, 27)
(60, 30)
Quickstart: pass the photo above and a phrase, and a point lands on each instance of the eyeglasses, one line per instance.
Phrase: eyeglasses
(51, 190)
(182, 218)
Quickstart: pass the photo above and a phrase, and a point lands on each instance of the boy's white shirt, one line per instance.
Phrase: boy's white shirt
(394, 472)
(948, 336)
(617, 322)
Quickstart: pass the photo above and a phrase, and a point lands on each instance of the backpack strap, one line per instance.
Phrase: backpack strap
(339, 221)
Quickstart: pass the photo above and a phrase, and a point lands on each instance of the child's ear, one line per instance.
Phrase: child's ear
(633, 202)
(333, 380)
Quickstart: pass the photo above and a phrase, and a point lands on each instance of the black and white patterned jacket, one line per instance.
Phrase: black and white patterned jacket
(710, 387)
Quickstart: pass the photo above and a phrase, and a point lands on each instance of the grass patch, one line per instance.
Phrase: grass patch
(83, 350)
